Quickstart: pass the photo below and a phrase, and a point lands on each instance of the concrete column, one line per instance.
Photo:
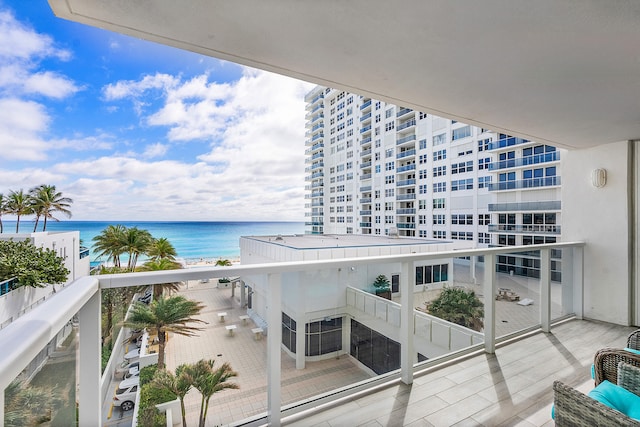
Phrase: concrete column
(89, 395)
(300, 342)
(578, 282)
(489, 303)
(274, 338)
(545, 289)
(243, 294)
(407, 351)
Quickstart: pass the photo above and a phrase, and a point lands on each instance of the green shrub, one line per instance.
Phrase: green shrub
(147, 373)
(150, 396)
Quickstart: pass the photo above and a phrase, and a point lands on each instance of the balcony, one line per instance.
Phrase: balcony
(411, 196)
(405, 182)
(317, 136)
(365, 118)
(365, 225)
(406, 225)
(365, 165)
(406, 168)
(317, 165)
(549, 181)
(406, 125)
(404, 140)
(365, 106)
(366, 212)
(552, 205)
(507, 142)
(365, 129)
(406, 211)
(365, 152)
(365, 141)
(473, 367)
(365, 200)
(525, 228)
(365, 188)
(407, 153)
(403, 112)
(317, 175)
(525, 161)
(365, 176)
(317, 156)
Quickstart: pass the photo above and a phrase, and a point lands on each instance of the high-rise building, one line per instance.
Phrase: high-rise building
(377, 168)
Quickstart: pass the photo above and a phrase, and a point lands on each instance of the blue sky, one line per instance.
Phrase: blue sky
(132, 130)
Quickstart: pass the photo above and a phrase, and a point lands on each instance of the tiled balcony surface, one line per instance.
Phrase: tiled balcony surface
(510, 388)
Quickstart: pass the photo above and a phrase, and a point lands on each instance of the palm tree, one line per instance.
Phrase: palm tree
(223, 263)
(46, 201)
(178, 384)
(3, 209)
(109, 243)
(136, 242)
(459, 306)
(162, 249)
(19, 204)
(208, 381)
(158, 265)
(164, 315)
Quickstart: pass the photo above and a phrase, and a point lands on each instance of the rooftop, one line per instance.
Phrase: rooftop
(326, 241)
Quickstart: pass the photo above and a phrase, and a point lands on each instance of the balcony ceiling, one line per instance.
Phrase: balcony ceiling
(562, 72)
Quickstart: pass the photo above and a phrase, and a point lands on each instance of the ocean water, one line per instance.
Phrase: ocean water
(192, 240)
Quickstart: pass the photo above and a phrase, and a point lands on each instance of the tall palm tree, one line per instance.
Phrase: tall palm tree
(164, 315)
(109, 243)
(158, 265)
(136, 241)
(3, 210)
(178, 384)
(46, 201)
(208, 381)
(162, 249)
(19, 204)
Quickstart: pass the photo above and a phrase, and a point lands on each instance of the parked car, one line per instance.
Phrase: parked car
(125, 395)
(124, 369)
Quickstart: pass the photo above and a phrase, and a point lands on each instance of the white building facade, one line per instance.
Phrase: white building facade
(376, 168)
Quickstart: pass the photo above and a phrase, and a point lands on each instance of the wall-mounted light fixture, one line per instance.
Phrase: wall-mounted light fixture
(599, 177)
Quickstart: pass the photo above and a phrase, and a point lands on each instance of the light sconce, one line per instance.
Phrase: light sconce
(599, 177)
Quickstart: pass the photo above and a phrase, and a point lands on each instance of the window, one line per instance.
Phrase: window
(439, 139)
(422, 189)
(324, 336)
(439, 234)
(484, 238)
(388, 113)
(388, 153)
(439, 220)
(289, 332)
(377, 168)
(484, 219)
(376, 194)
(484, 163)
(463, 184)
(422, 219)
(423, 159)
(484, 145)
(422, 204)
(420, 117)
(422, 144)
(432, 274)
(462, 219)
(438, 203)
(388, 206)
(389, 192)
(422, 173)
(463, 132)
(439, 187)
(389, 219)
(439, 155)
(484, 181)
(389, 179)
(389, 126)
(440, 171)
(389, 166)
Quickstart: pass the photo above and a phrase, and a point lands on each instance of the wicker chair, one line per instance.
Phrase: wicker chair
(633, 341)
(573, 408)
(606, 363)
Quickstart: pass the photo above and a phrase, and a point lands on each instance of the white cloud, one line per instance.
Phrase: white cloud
(21, 126)
(17, 41)
(155, 150)
(50, 84)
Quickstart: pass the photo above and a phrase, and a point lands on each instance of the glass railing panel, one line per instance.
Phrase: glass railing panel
(45, 391)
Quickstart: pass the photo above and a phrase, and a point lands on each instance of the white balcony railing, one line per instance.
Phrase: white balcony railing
(24, 338)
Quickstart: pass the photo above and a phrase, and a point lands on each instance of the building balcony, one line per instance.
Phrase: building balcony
(485, 377)
(366, 212)
(365, 152)
(525, 228)
(315, 118)
(365, 176)
(364, 165)
(411, 196)
(365, 188)
(317, 194)
(317, 166)
(317, 203)
(553, 156)
(365, 141)
(365, 129)
(407, 153)
(406, 125)
(406, 139)
(317, 184)
(365, 200)
(365, 118)
(549, 181)
(405, 182)
(406, 225)
(403, 112)
(317, 156)
(365, 225)
(366, 106)
(406, 168)
(406, 211)
(317, 175)
(317, 137)
(317, 127)
(507, 142)
(551, 205)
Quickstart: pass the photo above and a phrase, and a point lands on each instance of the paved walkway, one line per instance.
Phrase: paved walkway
(248, 357)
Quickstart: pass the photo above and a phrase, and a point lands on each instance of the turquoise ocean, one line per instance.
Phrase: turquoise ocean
(193, 240)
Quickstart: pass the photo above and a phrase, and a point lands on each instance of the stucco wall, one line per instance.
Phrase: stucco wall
(600, 217)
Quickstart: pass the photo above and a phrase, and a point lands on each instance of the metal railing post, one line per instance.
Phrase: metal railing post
(545, 290)
(274, 338)
(407, 352)
(489, 303)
